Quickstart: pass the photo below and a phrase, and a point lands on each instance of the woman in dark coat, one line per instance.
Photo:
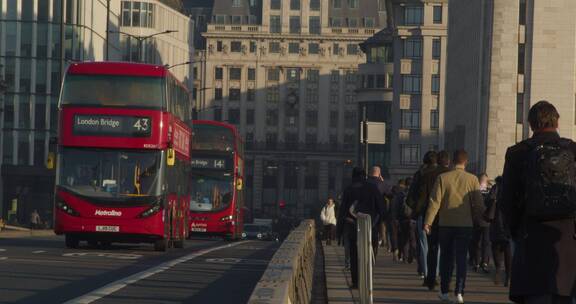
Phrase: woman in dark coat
(499, 236)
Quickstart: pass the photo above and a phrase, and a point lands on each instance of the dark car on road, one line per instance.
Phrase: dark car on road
(259, 232)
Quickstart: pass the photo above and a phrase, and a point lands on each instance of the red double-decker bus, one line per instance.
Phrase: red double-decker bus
(123, 156)
(217, 200)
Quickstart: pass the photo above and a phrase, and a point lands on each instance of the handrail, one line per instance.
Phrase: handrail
(288, 278)
(365, 257)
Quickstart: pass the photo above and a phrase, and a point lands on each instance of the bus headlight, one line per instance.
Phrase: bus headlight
(259, 235)
(243, 235)
(61, 204)
(226, 218)
(155, 208)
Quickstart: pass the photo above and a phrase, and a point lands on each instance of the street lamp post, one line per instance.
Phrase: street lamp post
(141, 40)
(3, 88)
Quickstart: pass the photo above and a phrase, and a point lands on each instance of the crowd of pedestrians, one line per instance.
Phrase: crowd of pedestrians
(520, 227)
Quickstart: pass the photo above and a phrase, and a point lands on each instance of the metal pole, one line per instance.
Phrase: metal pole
(365, 135)
(365, 258)
(107, 30)
(3, 88)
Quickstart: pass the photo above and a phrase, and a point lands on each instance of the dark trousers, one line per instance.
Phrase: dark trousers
(329, 233)
(502, 253)
(549, 299)
(480, 246)
(454, 243)
(394, 231)
(353, 259)
(408, 240)
(433, 251)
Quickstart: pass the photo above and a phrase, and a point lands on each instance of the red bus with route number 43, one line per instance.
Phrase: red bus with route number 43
(123, 155)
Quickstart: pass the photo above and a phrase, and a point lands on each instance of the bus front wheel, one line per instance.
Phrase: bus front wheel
(179, 243)
(161, 245)
(71, 241)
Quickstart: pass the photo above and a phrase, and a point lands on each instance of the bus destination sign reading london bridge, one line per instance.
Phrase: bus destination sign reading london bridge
(109, 125)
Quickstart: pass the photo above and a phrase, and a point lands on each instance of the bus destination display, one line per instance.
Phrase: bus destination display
(129, 126)
(208, 163)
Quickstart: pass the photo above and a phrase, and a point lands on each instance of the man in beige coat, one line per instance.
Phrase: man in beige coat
(457, 200)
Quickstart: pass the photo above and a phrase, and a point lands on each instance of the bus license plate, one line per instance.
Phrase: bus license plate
(196, 229)
(107, 228)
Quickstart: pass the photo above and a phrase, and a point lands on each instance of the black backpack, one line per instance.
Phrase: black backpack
(550, 188)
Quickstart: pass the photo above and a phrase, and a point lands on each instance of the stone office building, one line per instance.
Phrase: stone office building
(504, 56)
(285, 72)
(402, 84)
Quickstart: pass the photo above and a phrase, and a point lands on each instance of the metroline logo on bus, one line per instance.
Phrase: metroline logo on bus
(100, 212)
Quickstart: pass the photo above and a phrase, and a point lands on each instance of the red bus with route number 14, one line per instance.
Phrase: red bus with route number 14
(217, 196)
(123, 156)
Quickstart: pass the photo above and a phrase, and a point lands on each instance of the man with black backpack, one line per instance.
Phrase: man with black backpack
(539, 205)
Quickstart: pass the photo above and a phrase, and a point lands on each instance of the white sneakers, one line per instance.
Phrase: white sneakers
(445, 298)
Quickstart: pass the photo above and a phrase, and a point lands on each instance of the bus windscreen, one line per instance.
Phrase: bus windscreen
(211, 191)
(113, 91)
(110, 174)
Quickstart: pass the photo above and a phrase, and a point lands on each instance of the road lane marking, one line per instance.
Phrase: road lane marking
(121, 256)
(38, 251)
(2, 250)
(3, 258)
(119, 284)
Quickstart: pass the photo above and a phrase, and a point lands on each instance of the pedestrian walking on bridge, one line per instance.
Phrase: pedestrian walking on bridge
(539, 205)
(457, 200)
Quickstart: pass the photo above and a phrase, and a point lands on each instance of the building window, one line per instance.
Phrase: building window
(219, 46)
(270, 178)
(350, 119)
(275, 4)
(311, 119)
(293, 47)
(522, 13)
(271, 118)
(410, 119)
(250, 95)
(369, 22)
(436, 48)
(352, 49)
(294, 24)
(352, 22)
(314, 5)
(235, 73)
(250, 114)
(413, 15)
(313, 75)
(335, 76)
(236, 20)
(381, 81)
(274, 74)
(313, 48)
(353, 3)
(274, 47)
(412, 84)
(220, 19)
(334, 119)
(272, 94)
(236, 3)
(336, 22)
(275, 24)
(337, 3)
(236, 46)
(312, 95)
(413, 48)
(137, 14)
(251, 74)
(351, 76)
(521, 58)
(334, 98)
(234, 116)
(218, 94)
(435, 84)
(336, 49)
(314, 25)
(218, 73)
(519, 108)
(437, 14)
(252, 46)
(409, 154)
(434, 123)
(295, 5)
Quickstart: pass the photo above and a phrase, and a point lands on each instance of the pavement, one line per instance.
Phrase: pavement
(39, 269)
(398, 283)
(22, 232)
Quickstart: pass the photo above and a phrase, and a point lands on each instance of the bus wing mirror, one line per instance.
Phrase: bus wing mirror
(170, 157)
(239, 184)
(51, 161)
